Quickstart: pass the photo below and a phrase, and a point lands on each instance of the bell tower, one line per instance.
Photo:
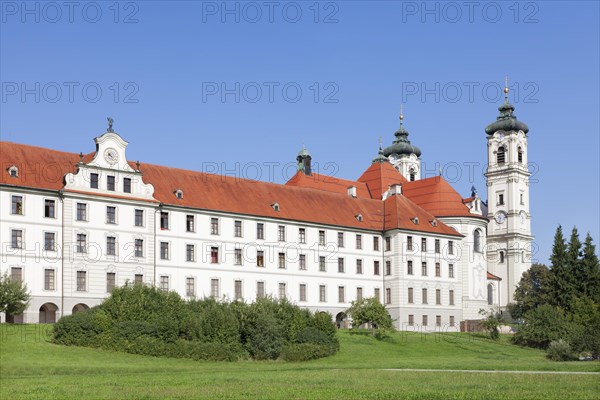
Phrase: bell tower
(405, 157)
(509, 236)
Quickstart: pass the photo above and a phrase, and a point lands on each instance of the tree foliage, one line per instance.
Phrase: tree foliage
(14, 297)
(532, 290)
(370, 310)
(491, 323)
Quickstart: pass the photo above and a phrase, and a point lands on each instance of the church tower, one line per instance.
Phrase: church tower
(405, 157)
(509, 229)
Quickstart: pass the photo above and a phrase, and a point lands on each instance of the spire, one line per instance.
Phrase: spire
(506, 121)
(402, 145)
(303, 160)
(380, 157)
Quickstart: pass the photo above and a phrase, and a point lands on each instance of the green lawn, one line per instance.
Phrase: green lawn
(30, 367)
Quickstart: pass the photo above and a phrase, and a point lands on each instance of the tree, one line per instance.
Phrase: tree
(562, 289)
(491, 323)
(370, 310)
(14, 297)
(591, 269)
(532, 290)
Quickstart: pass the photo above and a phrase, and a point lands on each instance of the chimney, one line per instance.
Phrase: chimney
(395, 189)
(352, 191)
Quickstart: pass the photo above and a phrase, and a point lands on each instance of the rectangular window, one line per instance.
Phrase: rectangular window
(110, 183)
(438, 296)
(214, 226)
(377, 294)
(302, 296)
(500, 199)
(409, 243)
(424, 295)
(81, 212)
(450, 270)
(190, 252)
(139, 217)
(521, 200)
(423, 269)
(139, 248)
(302, 235)
(190, 223)
(281, 261)
(388, 243)
(423, 244)
(110, 281)
(16, 274)
(451, 297)
(127, 185)
(237, 288)
(214, 255)
(302, 261)
(375, 267)
(375, 243)
(438, 270)
(111, 245)
(81, 243)
(409, 268)
(138, 279)
(388, 296)
(411, 320)
(340, 264)
(388, 267)
(237, 228)
(238, 256)
(164, 283)
(437, 246)
(359, 293)
(411, 298)
(49, 278)
(214, 288)
(164, 250)
(424, 320)
(81, 281)
(359, 266)
(341, 294)
(322, 294)
(49, 208)
(260, 258)
(358, 242)
(322, 265)
(17, 239)
(111, 215)
(164, 220)
(94, 179)
(452, 320)
(340, 239)
(322, 238)
(450, 247)
(260, 230)
(282, 290)
(281, 233)
(438, 320)
(190, 287)
(260, 290)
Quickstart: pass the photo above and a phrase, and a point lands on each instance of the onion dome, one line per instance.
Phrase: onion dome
(401, 146)
(380, 157)
(506, 121)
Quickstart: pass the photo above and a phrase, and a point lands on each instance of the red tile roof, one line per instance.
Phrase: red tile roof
(327, 203)
(379, 176)
(328, 183)
(493, 277)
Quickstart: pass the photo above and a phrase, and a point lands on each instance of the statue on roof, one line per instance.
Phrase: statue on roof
(110, 124)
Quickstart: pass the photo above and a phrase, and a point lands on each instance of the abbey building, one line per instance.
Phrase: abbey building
(74, 226)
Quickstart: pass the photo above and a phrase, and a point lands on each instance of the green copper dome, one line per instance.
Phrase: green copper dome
(506, 121)
(401, 146)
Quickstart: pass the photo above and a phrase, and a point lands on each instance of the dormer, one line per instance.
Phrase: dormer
(13, 171)
(275, 206)
(178, 194)
(359, 217)
(352, 191)
(415, 220)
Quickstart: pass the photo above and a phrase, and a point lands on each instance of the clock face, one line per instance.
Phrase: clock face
(111, 156)
(500, 218)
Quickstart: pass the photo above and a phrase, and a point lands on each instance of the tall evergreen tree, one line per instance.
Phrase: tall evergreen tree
(591, 268)
(561, 284)
(574, 264)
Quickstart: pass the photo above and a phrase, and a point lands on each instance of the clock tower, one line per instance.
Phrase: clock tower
(509, 238)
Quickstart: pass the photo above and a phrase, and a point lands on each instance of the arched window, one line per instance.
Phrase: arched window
(490, 293)
(501, 155)
(411, 174)
(477, 241)
(501, 257)
(520, 154)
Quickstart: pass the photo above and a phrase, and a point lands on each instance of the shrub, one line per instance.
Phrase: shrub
(266, 337)
(214, 322)
(541, 326)
(559, 350)
(305, 351)
(81, 329)
(314, 336)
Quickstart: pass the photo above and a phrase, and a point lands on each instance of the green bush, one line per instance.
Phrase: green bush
(542, 326)
(560, 350)
(315, 336)
(304, 351)
(266, 337)
(82, 328)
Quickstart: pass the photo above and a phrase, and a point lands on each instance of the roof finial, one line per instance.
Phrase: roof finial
(380, 144)
(506, 89)
(110, 124)
(401, 114)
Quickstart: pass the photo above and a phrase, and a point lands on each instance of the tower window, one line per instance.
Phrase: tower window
(411, 174)
(501, 257)
(501, 155)
(520, 154)
(477, 241)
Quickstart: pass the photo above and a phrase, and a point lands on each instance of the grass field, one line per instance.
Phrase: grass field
(31, 367)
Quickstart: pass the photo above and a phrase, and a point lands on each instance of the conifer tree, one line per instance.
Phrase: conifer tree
(574, 264)
(561, 287)
(591, 268)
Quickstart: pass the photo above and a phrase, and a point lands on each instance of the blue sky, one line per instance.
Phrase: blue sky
(238, 87)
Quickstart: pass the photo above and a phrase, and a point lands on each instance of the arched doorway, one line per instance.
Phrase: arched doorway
(80, 307)
(48, 313)
(341, 320)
